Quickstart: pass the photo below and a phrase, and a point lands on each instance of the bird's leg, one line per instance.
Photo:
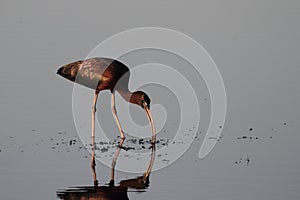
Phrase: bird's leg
(114, 111)
(113, 165)
(93, 163)
(93, 116)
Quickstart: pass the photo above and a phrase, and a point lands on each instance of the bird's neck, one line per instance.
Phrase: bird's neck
(126, 94)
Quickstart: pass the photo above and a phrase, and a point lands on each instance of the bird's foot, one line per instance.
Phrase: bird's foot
(111, 183)
(122, 135)
(153, 141)
(96, 182)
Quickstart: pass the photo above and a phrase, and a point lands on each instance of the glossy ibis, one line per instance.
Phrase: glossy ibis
(106, 74)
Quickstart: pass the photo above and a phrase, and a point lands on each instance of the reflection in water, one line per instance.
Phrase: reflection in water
(111, 191)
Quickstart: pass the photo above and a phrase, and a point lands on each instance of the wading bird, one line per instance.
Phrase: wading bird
(106, 74)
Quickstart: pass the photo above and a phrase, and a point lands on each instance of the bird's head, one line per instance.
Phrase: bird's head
(140, 98)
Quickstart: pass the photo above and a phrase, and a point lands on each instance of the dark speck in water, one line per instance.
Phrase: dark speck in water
(104, 149)
(250, 129)
(72, 142)
(284, 123)
(141, 141)
(102, 143)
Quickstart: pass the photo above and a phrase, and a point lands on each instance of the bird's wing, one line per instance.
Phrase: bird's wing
(91, 72)
(94, 68)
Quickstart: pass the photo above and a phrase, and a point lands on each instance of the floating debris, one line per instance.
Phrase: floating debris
(141, 141)
(102, 143)
(133, 141)
(72, 142)
(248, 160)
(126, 148)
(247, 137)
(104, 149)
(243, 160)
(250, 129)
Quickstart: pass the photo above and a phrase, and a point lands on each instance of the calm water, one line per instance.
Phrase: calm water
(38, 162)
(255, 45)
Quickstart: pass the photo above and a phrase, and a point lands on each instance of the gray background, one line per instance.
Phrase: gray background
(255, 45)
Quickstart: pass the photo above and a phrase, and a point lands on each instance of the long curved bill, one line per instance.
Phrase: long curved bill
(151, 122)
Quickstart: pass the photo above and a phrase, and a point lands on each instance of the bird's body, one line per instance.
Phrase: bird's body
(106, 74)
(95, 73)
(102, 74)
